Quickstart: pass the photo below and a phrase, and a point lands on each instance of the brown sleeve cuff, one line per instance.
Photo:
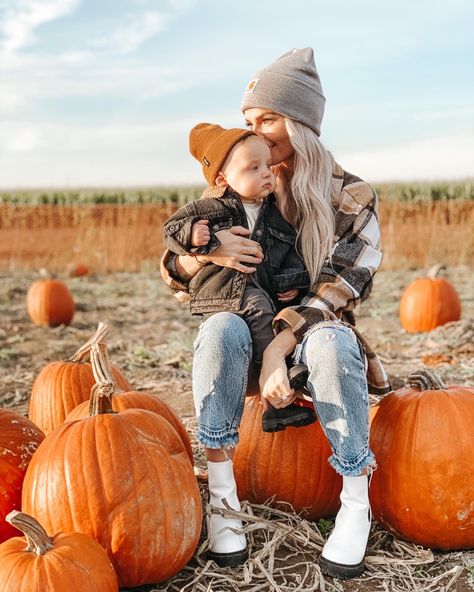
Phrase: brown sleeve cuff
(300, 319)
(167, 270)
(289, 317)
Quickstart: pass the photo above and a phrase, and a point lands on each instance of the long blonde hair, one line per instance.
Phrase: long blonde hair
(313, 215)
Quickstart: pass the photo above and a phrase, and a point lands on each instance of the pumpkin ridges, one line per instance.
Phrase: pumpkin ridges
(424, 471)
(110, 438)
(49, 302)
(129, 399)
(73, 380)
(265, 464)
(429, 302)
(19, 439)
(66, 559)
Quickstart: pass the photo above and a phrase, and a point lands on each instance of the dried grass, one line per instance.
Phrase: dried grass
(283, 556)
(129, 237)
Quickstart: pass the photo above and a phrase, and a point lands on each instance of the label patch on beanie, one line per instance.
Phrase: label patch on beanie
(251, 86)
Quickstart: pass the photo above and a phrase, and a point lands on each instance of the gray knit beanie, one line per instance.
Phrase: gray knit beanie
(290, 86)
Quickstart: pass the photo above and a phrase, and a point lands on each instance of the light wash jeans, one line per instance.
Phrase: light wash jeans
(337, 383)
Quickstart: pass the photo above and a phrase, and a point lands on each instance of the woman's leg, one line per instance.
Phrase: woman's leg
(222, 354)
(338, 385)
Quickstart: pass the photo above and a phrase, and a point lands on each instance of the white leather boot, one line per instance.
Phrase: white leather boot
(226, 548)
(343, 554)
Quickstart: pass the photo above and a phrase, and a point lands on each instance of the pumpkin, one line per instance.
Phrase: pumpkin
(19, 439)
(423, 440)
(429, 302)
(77, 270)
(141, 400)
(130, 399)
(37, 562)
(50, 303)
(290, 465)
(63, 385)
(125, 480)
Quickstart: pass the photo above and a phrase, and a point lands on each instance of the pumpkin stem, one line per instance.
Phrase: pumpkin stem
(101, 366)
(426, 380)
(434, 271)
(105, 387)
(38, 540)
(84, 350)
(100, 402)
(45, 274)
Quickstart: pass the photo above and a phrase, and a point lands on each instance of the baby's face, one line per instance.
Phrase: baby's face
(247, 169)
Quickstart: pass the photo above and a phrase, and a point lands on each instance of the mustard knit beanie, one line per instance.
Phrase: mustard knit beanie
(211, 145)
(291, 87)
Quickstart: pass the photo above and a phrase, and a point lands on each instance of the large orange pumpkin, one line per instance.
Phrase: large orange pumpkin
(290, 465)
(429, 302)
(423, 440)
(19, 439)
(125, 480)
(49, 302)
(130, 399)
(61, 386)
(39, 563)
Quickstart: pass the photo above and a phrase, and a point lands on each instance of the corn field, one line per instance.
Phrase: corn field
(118, 230)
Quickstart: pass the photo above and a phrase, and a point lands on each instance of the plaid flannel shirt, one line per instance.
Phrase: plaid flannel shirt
(345, 279)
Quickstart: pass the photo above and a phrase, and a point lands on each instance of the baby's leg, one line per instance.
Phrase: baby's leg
(258, 311)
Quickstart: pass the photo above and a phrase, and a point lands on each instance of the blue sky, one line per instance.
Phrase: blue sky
(105, 92)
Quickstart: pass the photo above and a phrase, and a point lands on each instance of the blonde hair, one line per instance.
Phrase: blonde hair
(312, 212)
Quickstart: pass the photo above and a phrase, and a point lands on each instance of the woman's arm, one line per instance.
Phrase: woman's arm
(273, 375)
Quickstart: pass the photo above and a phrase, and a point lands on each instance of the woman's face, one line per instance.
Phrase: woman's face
(271, 126)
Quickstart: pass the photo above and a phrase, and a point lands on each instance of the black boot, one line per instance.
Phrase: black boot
(275, 420)
(298, 376)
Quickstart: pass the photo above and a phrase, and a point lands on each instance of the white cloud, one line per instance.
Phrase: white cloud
(19, 19)
(129, 36)
(137, 28)
(79, 75)
(447, 157)
(26, 139)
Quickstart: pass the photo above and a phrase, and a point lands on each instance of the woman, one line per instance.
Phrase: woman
(335, 216)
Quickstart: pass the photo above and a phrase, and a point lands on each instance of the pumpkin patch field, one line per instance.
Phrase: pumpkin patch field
(149, 342)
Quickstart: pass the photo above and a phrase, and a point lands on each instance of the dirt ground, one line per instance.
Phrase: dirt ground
(151, 338)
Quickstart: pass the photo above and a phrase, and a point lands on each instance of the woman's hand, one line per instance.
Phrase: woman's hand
(274, 386)
(235, 249)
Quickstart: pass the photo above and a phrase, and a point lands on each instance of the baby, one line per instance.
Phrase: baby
(237, 165)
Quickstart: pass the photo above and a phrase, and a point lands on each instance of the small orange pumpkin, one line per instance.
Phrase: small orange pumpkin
(50, 303)
(19, 439)
(423, 440)
(429, 302)
(77, 270)
(125, 480)
(37, 562)
(130, 400)
(61, 386)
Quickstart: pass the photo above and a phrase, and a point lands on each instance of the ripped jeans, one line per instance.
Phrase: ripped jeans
(337, 383)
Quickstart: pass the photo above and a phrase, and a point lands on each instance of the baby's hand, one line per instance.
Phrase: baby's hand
(288, 295)
(200, 234)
